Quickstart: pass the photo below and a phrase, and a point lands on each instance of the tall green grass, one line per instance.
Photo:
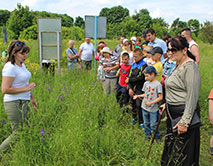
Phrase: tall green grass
(84, 127)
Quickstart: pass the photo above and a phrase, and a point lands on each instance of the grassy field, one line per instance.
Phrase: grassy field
(76, 124)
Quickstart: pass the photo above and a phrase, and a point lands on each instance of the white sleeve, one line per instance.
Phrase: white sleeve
(82, 46)
(8, 70)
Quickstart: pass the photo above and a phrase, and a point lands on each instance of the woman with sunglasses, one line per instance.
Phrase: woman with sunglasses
(16, 89)
(182, 141)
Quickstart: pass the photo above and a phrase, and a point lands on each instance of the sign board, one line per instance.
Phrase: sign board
(5, 39)
(49, 39)
(90, 27)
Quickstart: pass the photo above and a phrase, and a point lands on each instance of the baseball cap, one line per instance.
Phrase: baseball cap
(150, 70)
(156, 50)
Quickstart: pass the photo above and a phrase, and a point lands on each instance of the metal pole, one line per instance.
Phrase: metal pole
(58, 52)
(95, 42)
(40, 49)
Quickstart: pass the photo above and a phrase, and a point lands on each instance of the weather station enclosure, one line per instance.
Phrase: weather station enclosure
(95, 27)
(49, 39)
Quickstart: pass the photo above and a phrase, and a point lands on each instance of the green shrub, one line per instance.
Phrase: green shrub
(29, 33)
(74, 32)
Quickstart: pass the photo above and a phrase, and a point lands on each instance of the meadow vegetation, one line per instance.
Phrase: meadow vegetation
(76, 124)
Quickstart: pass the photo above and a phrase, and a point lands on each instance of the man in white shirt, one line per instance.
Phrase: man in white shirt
(86, 52)
(193, 46)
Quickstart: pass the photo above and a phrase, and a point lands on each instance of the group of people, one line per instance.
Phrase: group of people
(143, 74)
(156, 71)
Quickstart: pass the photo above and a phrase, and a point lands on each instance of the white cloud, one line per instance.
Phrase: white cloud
(156, 13)
(29, 3)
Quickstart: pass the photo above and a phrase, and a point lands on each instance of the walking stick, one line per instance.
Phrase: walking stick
(150, 145)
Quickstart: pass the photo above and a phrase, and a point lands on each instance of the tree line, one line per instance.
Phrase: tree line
(21, 23)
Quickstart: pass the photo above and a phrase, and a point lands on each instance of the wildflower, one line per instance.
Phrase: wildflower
(60, 97)
(92, 102)
(64, 88)
(66, 94)
(49, 89)
(93, 83)
(85, 94)
(42, 132)
(3, 122)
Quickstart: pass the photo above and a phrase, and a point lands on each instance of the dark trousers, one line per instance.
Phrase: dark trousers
(122, 95)
(136, 108)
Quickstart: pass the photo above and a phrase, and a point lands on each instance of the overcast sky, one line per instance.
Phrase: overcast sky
(167, 9)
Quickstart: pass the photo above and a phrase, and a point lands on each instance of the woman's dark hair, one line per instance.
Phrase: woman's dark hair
(14, 47)
(179, 43)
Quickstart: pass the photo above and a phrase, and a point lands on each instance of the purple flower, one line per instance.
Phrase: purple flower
(93, 83)
(61, 97)
(85, 94)
(92, 102)
(66, 94)
(3, 122)
(64, 88)
(108, 110)
(49, 89)
(42, 132)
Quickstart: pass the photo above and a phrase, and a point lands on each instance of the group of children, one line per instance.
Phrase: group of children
(140, 84)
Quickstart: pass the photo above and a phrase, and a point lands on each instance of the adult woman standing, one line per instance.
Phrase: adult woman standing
(182, 92)
(16, 88)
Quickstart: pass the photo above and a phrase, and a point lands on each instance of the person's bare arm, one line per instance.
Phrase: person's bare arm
(6, 86)
(195, 51)
(211, 111)
(72, 56)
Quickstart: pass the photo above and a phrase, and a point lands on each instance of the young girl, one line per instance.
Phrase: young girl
(16, 88)
(110, 65)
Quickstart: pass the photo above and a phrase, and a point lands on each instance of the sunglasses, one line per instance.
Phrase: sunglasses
(173, 50)
(18, 43)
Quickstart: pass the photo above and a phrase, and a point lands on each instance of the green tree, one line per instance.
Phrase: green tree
(67, 21)
(115, 14)
(29, 33)
(79, 21)
(129, 27)
(143, 19)
(194, 25)
(207, 32)
(4, 16)
(20, 19)
(160, 27)
(177, 26)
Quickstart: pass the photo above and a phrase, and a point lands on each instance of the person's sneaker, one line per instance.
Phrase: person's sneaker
(133, 121)
(141, 125)
(211, 150)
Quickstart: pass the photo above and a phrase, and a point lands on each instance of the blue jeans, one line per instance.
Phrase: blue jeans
(150, 123)
(71, 65)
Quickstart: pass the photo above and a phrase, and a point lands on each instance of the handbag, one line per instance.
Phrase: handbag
(195, 122)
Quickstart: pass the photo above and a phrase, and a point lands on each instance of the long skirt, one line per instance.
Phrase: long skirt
(183, 149)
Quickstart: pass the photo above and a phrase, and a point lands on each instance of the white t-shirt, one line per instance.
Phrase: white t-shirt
(22, 77)
(87, 50)
(191, 43)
